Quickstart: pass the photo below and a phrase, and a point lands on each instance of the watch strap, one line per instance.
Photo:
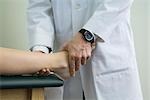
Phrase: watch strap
(83, 31)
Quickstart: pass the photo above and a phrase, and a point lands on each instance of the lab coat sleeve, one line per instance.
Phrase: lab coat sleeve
(40, 23)
(108, 14)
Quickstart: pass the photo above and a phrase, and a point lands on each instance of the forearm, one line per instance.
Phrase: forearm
(22, 62)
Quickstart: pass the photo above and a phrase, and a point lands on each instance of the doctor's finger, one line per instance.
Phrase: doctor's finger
(42, 71)
(88, 52)
(48, 71)
(72, 65)
(84, 57)
(77, 62)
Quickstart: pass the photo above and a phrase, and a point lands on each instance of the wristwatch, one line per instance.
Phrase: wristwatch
(87, 35)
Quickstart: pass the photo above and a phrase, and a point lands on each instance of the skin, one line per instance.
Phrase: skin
(79, 51)
(15, 62)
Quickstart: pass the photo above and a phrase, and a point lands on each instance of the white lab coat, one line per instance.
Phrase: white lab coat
(111, 73)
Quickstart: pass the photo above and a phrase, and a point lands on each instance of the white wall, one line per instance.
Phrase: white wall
(13, 33)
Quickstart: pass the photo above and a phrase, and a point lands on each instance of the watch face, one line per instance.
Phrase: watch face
(88, 36)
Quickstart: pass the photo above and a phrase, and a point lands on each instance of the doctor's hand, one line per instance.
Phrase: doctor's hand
(79, 51)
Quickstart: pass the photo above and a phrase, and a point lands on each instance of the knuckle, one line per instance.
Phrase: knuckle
(78, 56)
(89, 54)
(77, 66)
(72, 58)
(72, 54)
(84, 56)
(78, 63)
(72, 65)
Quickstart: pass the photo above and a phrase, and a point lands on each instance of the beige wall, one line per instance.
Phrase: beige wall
(13, 33)
(149, 50)
(0, 24)
(140, 15)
